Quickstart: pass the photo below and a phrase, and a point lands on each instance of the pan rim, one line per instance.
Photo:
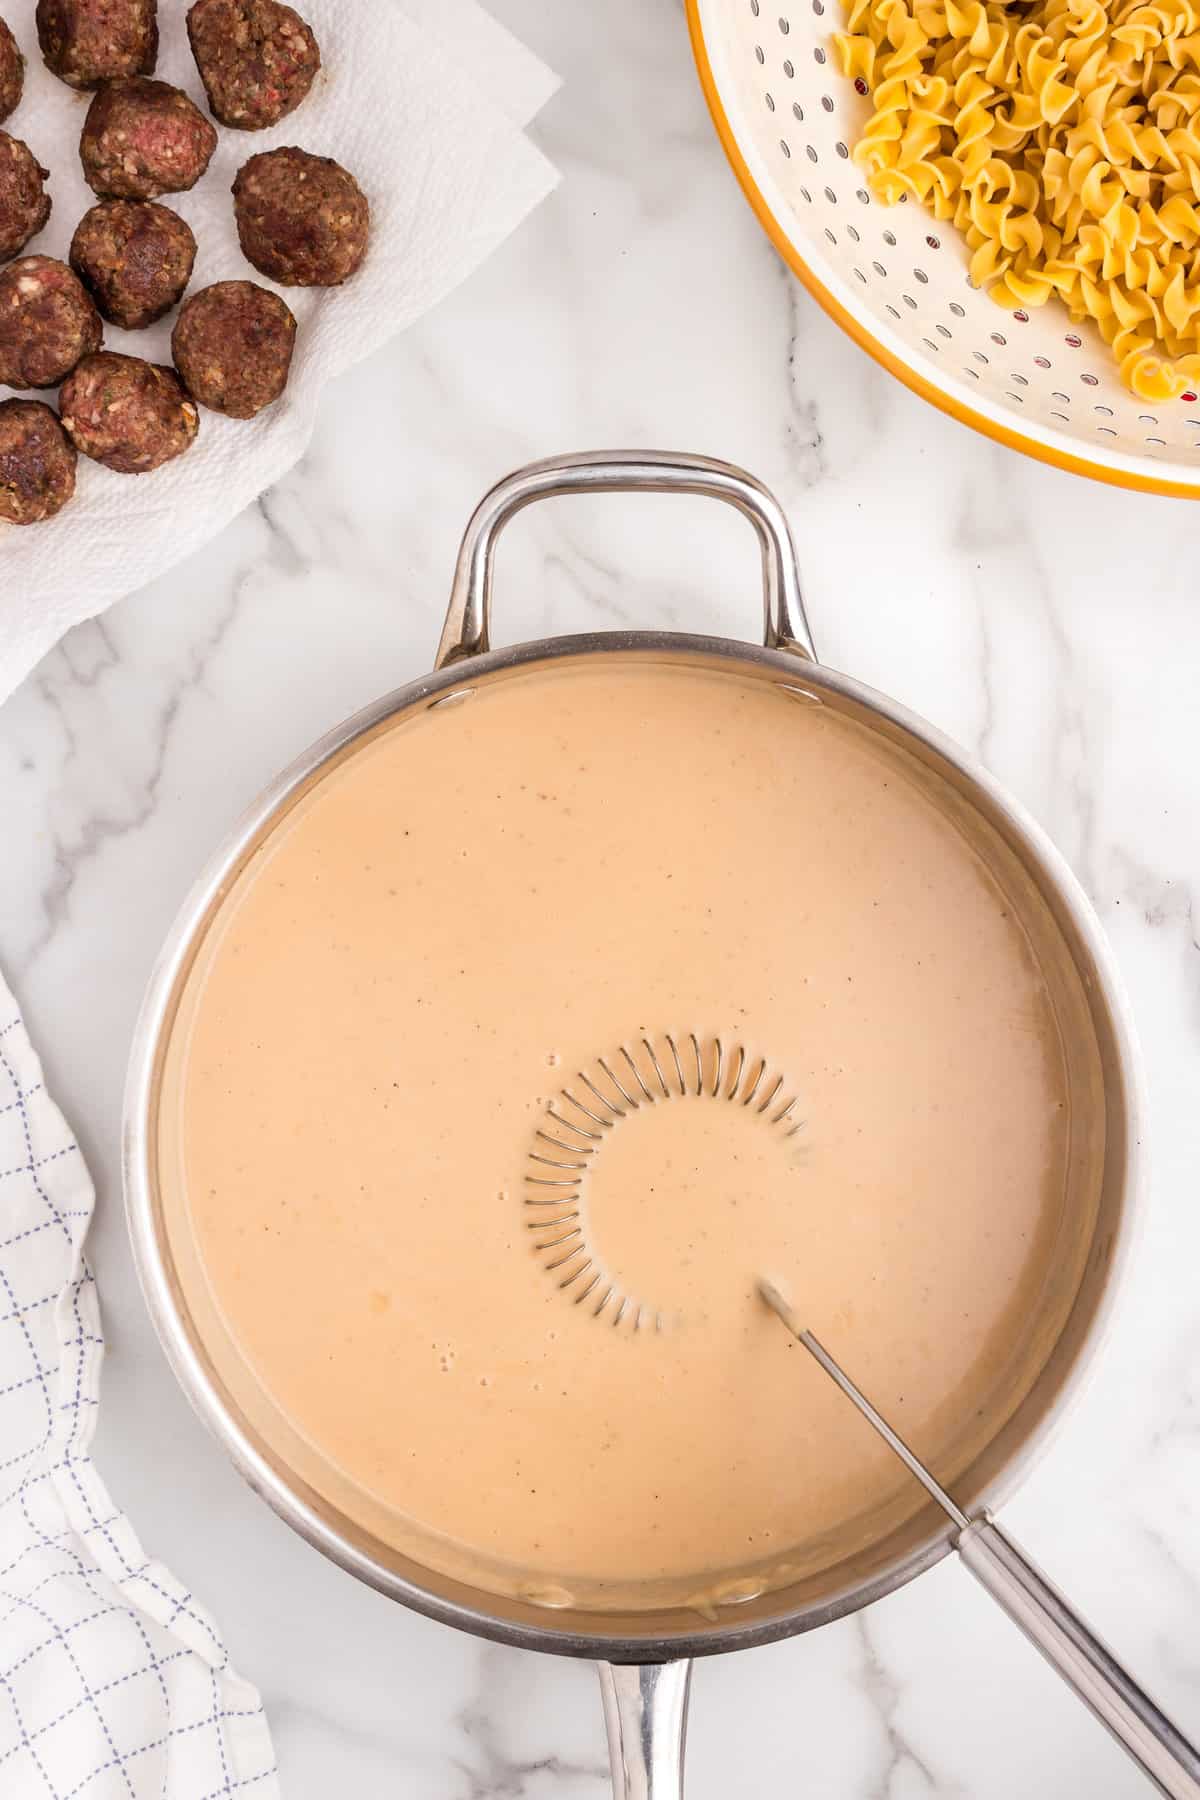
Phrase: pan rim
(478, 1611)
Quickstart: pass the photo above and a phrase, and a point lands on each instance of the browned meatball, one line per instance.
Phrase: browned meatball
(130, 415)
(233, 346)
(303, 220)
(85, 42)
(37, 463)
(257, 59)
(143, 138)
(47, 322)
(12, 72)
(24, 202)
(135, 259)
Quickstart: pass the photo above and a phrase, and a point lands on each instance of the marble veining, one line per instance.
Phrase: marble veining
(1048, 623)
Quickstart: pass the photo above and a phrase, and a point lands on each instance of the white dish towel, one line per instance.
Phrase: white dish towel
(114, 1682)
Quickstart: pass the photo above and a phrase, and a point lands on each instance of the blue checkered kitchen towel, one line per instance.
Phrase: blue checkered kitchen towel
(114, 1683)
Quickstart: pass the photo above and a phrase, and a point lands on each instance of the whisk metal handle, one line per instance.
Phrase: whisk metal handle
(645, 1715)
(1034, 1604)
(468, 621)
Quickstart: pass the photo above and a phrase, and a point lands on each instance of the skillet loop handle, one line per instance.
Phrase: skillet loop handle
(645, 1715)
(468, 622)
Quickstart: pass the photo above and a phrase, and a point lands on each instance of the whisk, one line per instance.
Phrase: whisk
(1035, 1605)
(571, 1133)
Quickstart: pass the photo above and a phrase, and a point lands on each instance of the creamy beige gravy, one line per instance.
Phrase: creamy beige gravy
(473, 907)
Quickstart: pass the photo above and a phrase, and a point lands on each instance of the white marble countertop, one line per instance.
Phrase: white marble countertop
(1049, 624)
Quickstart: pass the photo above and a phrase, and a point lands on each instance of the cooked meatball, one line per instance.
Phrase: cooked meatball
(37, 463)
(130, 415)
(233, 346)
(85, 42)
(135, 259)
(47, 322)
(143, 138)
(257, 59)
(24, 202)
(303, 220)
(12, 72)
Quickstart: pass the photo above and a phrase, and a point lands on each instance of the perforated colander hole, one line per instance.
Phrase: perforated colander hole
(934, 243)
(852, 233)
(784, 26)
(1194, 422)
(789, 69)
(943, 331)
(909, 301)
(973, 373)
(759, 54)
(810, 153)
(786, 148)
(889, 238)
(1065, 398)
(818, 53)
(999, 338)
(826, 103)
(770, 102)
(830, 235)
(831, 196)
(798, 110)
(1021, 380)
(754, 8)
(929, 344)
(880, 270)
(1062, 416)
(1147, 419)
(960, 312)
(1106, 411)
(893, 311)
(862, 277)
(806, 195)
(1017, 397)
(1043, 362)
(921, 276)
(979, 356)
(1073, 340)
(1106, 431)
(818, 8)
(862, 195)
(861, 86)
(1091, 380)
(1161, 442)
(841, 149)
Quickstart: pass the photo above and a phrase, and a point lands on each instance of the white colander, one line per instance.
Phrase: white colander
(896, 279)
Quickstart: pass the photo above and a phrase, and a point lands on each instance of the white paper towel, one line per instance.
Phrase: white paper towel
(424, 102)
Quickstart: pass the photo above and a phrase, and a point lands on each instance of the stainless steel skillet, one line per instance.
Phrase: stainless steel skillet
(644, 1655)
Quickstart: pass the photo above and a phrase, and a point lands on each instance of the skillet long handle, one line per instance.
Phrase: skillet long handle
(645, 1714)
(1084, 1662)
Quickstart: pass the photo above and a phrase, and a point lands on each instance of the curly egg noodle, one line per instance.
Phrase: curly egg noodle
(1063, 140)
